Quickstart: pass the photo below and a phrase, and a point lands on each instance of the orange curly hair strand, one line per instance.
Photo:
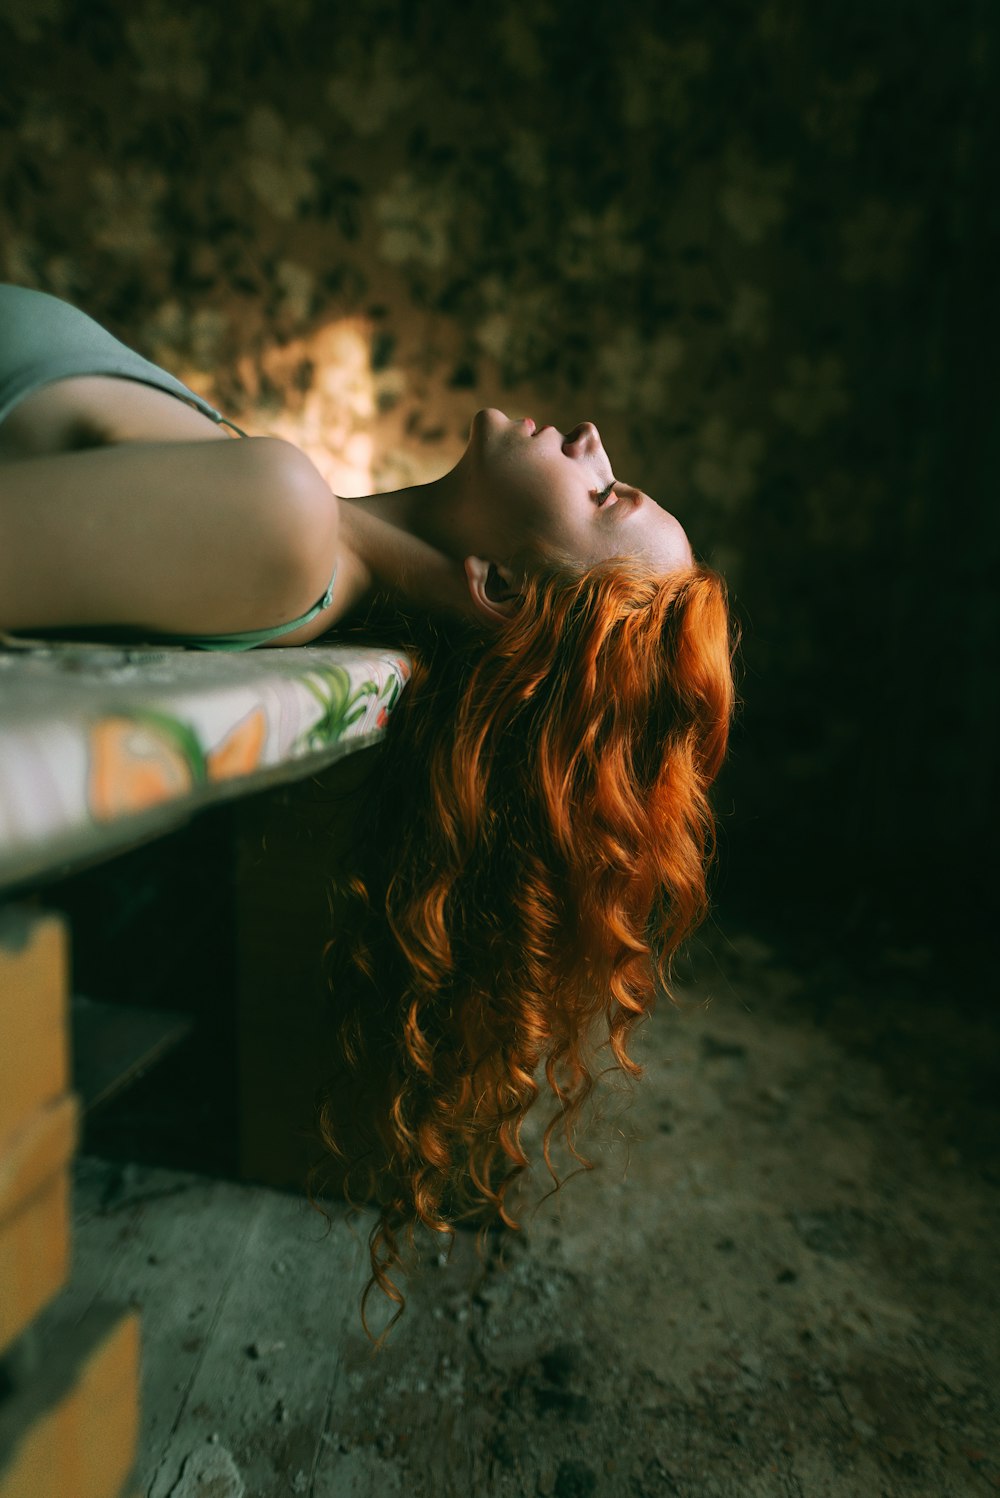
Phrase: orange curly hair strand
(541, 840)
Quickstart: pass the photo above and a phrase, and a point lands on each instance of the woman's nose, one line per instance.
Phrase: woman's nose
(586, 432)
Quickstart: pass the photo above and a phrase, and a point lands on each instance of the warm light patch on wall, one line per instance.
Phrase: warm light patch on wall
(320, 392)
(367, 430)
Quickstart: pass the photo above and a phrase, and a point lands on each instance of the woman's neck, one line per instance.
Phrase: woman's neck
(406, 543)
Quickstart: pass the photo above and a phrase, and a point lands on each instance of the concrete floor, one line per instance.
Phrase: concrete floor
(792, 1289)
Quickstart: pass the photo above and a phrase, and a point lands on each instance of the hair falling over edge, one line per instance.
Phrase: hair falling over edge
(534, 851)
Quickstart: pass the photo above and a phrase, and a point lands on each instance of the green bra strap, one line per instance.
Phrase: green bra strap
(225, 421)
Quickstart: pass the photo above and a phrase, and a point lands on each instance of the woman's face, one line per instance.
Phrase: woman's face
(559, 490)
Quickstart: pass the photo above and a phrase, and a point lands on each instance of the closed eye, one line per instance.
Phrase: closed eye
(605, 494)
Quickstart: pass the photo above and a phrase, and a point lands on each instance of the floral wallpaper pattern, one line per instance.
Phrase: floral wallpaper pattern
(742, 238)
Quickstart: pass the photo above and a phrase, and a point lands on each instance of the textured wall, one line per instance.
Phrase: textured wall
(749, 240)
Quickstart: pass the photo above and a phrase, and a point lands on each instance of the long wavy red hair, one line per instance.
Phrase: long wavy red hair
(535, 850)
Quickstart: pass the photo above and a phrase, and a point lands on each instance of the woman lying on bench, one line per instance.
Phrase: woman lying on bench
(538, 838)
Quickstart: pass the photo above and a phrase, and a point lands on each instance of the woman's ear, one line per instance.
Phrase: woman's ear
(491, 588)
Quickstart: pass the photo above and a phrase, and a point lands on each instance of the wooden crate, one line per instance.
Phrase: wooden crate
(35, 1210)
(69, 1395)
(71, 1430)
(34, 1034)
(38, 1117)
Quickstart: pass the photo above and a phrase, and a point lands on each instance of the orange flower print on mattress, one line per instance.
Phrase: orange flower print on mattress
(241, 749)
(139, 760)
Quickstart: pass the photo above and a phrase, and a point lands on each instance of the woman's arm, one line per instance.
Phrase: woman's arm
(185, 537)
(386, 558)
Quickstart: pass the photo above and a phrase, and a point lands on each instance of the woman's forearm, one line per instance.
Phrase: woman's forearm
(389, 559)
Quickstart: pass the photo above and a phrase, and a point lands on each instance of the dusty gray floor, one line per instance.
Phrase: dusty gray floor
(790, 1290)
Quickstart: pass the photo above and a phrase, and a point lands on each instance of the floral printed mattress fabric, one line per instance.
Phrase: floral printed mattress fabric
(103, 745)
